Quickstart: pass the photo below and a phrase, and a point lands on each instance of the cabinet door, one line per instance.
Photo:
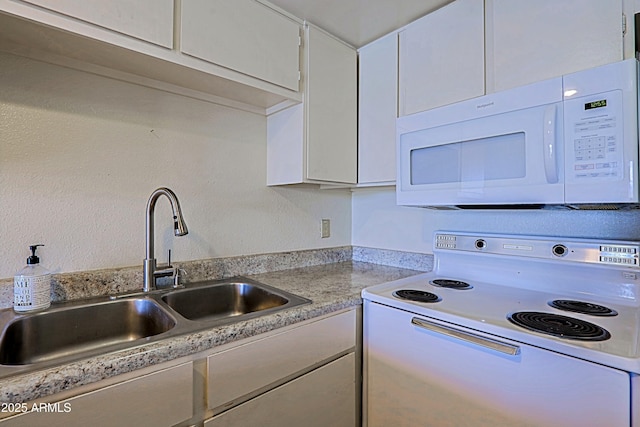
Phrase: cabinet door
(243, 35)
(317, 141)
(285, 146)
(161, 398)
(331, 110)
(442, 57)
(237, 372)
(378, 109)
(321, 398)
(529, 41)
(149, 20)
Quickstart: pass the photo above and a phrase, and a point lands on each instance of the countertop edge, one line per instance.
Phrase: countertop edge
(42, 383)
(331, 287)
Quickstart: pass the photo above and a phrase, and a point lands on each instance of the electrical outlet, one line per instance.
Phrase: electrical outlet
(326, 228)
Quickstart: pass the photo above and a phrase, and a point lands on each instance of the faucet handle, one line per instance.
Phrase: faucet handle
(177, 276)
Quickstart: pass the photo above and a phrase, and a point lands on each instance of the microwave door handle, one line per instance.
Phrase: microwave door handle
(549, 145)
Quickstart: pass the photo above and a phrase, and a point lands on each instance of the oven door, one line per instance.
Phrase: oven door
(455, 156)
(424, 372)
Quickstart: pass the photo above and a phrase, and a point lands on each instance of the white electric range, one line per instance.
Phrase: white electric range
(507, 330)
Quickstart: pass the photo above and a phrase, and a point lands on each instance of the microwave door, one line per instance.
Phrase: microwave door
(491, 160)
(506, 159)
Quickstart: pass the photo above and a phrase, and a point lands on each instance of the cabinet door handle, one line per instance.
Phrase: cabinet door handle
(496, 345)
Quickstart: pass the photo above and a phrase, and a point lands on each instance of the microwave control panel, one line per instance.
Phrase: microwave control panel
(594, 130)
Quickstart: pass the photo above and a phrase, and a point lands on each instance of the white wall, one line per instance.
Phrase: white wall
(80, 154)
(379, 223)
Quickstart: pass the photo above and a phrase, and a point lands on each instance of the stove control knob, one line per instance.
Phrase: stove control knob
(559, 250)
(481, 244)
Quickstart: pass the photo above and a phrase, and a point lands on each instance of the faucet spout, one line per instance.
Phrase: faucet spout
(179, 229)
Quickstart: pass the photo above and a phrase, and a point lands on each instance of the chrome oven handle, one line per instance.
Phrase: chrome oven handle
(496, 345)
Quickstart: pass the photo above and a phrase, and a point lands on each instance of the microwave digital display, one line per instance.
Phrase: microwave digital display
(595, 104)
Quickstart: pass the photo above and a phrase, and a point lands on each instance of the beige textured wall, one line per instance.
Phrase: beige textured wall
(80, 154)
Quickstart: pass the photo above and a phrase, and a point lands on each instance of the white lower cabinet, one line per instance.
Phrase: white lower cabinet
(321, 398)
(162, 398)
(244, 370)
(304, 374)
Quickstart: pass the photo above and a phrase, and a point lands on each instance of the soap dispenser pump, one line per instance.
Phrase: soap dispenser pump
(32, 285)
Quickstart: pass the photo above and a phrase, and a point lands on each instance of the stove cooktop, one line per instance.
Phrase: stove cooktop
(584, 309)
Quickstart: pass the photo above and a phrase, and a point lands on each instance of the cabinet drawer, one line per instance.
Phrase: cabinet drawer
(160, 398)
(324, 397)
(241, 370)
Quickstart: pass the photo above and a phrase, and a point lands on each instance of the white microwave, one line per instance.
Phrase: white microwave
(569, 141)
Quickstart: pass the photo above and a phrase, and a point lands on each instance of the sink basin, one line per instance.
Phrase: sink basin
(74, 330)
(228, 300)
(68, 331)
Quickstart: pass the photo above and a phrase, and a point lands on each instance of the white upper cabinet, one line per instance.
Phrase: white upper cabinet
(240, 53)
(316, 141)
(148, 20)
(469, 48)
(442, 57)
(529, 41)
(378, 109)
(243, 35)
(332, 112)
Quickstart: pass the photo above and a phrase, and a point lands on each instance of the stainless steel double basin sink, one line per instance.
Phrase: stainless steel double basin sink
(74, 330)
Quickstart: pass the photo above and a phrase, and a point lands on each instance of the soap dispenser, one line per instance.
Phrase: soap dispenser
(32, 285)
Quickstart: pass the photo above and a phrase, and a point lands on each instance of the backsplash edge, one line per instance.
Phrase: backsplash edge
(393, 258)
(93, 283)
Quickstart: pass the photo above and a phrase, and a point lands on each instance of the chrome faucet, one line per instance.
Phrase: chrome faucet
(179, 228)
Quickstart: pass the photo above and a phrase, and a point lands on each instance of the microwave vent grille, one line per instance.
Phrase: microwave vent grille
(605, 206)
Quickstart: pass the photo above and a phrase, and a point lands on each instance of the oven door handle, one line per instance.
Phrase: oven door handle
(491, 343)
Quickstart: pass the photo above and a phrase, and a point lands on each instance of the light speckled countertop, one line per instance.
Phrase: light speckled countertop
(330, 287)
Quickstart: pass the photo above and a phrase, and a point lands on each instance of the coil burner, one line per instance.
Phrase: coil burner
(559, 326)
(583, 307)
(452, 284)
(416, 295)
